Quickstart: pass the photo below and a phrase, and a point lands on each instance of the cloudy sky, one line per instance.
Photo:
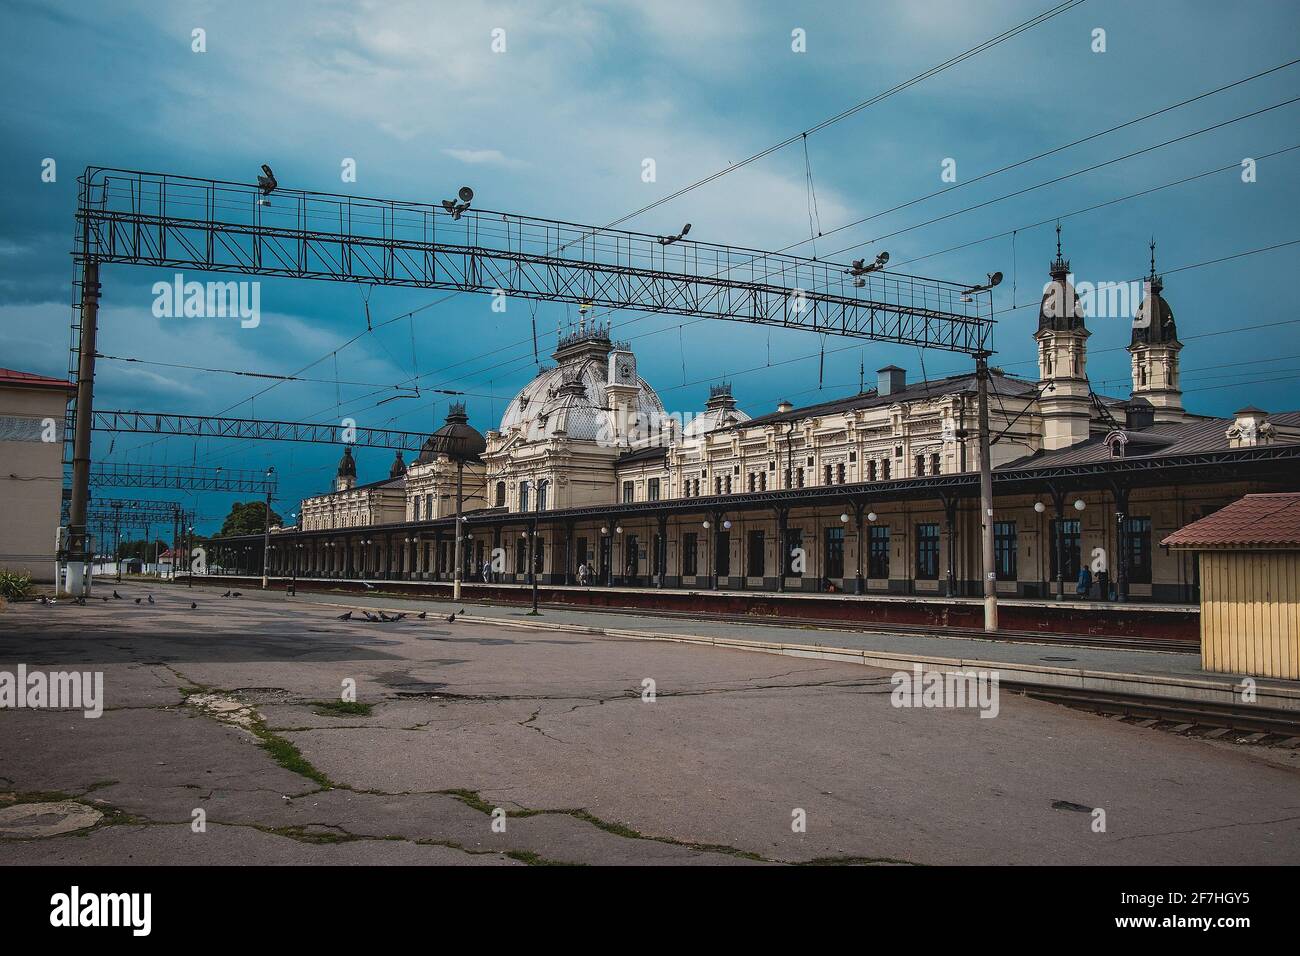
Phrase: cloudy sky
(558, 126)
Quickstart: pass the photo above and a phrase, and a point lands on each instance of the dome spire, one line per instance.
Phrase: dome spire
(1157, 284)
(1060, 266)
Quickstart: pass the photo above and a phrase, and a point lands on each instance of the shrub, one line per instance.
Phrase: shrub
(14, 585)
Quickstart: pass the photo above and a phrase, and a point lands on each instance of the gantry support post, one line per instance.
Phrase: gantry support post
(986, 496)
(77, 580)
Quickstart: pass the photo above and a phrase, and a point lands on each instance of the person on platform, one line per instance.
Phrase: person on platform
(1084, 584)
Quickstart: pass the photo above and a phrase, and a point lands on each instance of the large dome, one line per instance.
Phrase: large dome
(569, 400)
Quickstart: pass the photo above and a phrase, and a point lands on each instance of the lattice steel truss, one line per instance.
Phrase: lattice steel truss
(210, 225)
(204, 426)
(184, 477)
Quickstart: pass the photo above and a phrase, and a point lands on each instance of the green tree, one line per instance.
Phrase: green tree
(248, 517)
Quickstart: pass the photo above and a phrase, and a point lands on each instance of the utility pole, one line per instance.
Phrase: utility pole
(986, 496)
(78, 572)
(266, 532)
(459, 544)
(532, 560)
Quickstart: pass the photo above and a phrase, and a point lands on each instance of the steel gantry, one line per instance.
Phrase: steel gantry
(207, 225)
(183, 477)
(204, 426)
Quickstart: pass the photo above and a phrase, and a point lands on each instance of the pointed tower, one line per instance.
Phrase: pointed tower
(1062, 359)
(346, 477)
(1155, 349)
(398, 467)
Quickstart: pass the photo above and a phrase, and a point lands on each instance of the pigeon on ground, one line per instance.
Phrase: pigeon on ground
(386, 619)
(151, 601)
(137, 600)
(451, 618)
(116, 595)
(236, 593)
(461, 612)
(344, 617)
(370, 617)
(81, 601)
(422, 615)
(400, 616)
(227, 594)
(42, 600)
(106, 597)
(194, 605)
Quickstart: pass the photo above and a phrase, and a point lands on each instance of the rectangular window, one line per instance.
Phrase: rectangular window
(839, 473)
(886, 468)
(826, 475)
(1137, 533)
(787, 479)
(728, 484)
(834, 552)
(920, 466)
(871, 470)
(754, 562)
(934, 464)
(762, 481)
(521, 556)
(629, 492)
(523, 496)
(878, 553)
(793, 550)
(415, 508)
(798, 478)
(1004, 550)
(927, 552)
(717, 484)
(753, 481)
(652, 489)
(722, 554)
(690, 555)
(1069, 538)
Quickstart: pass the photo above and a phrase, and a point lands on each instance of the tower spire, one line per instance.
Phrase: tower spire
(1154, 281)
(1060, 265)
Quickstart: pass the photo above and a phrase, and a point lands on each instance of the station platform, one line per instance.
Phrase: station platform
(1020, 661)
(1134, 619)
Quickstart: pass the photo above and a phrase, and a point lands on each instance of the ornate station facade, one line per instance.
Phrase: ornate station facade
(873, 493)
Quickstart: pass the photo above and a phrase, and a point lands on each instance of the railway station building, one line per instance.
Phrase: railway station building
(875, 493)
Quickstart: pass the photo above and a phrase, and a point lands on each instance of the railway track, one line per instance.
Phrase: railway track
(906, 630)
(1183, 715)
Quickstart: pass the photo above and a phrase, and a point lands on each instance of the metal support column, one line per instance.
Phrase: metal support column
(986, 496)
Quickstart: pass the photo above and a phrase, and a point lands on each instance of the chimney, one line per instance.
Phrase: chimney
(783, 406)
(890, 380)
(1139, 413)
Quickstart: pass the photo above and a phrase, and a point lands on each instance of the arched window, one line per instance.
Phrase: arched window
(501, 494)
(543, 487)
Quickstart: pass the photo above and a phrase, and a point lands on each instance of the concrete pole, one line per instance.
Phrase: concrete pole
(986, 496)
(78, 571)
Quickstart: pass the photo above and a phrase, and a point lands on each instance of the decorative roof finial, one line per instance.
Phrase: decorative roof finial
(1155, 282)
(1060, 266)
